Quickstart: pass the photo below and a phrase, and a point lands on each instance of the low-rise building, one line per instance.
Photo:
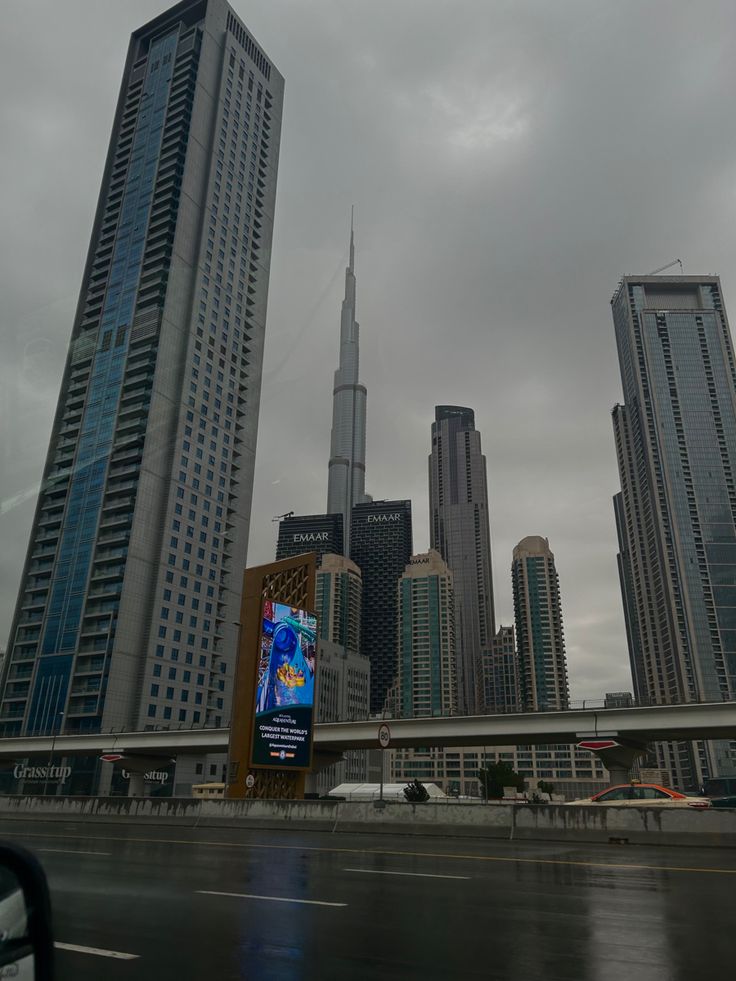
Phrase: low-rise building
(572, 772)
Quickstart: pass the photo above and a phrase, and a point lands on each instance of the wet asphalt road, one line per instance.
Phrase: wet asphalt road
(378, 907)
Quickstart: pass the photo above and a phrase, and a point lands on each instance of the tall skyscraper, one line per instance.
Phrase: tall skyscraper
(346, 479)
(381, 545)
(134, 567)
(320, 533)
(676, 513)
(539, 637)
(426, 678)
(459, 530)
(344, 673)
(339, 601)
(501, 674)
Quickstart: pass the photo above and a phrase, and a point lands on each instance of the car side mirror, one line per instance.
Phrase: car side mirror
(26, 940)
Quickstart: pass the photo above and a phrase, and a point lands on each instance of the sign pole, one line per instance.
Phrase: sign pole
(384, 740)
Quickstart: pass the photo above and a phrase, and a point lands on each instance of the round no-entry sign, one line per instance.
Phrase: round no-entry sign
(384, 736)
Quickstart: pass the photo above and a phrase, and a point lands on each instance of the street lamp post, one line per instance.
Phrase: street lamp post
(51, 751)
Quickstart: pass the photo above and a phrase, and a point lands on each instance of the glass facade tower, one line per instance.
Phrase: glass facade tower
(676, 513)
(540, 640)
(133, 572)
(381, 546)
(320, 533)
(426, 677)
(459, 530)
(501, 674)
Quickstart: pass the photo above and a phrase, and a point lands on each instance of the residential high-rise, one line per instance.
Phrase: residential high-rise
(676, 513)
(459, 530)
(339, 601)
(501, 674)
(343, 691)
(343, 688)
(134, 568)
(426, 678)
(344, 673)
(539, 637)
(625, 572)
(346, 478)
(381, 546)
(320, 533)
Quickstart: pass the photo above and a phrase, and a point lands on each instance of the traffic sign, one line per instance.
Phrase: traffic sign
(111, 757)
(250, 781)
(384, 736)
(595, 745)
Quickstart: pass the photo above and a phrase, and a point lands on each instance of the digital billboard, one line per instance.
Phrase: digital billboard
(282, 736)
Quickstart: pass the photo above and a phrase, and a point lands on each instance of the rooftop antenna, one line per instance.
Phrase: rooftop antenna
(675, 262)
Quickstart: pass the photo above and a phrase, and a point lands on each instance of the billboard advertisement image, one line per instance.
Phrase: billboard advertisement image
(285, 688)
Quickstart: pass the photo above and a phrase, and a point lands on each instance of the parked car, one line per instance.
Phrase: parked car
(644, 795)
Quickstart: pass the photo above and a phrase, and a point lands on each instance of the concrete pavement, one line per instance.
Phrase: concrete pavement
(224, 904)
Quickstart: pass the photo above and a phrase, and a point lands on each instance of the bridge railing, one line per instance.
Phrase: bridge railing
(618, 700)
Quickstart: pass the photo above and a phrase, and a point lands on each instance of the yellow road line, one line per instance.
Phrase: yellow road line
(509, 859)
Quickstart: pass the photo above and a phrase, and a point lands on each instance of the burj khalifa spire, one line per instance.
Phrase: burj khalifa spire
(346, 481)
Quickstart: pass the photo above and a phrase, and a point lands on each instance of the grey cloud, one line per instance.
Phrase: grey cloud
(508, 161)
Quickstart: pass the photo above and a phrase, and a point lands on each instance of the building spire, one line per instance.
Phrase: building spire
(351, 264)
(346, 483)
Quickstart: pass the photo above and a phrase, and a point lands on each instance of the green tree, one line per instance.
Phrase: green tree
(545, 788)
(416, 793)
(495, 776)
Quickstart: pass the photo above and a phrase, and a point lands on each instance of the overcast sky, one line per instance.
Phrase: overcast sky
(508, 162)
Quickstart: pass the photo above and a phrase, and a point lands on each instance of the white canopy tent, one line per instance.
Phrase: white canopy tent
(372, 791)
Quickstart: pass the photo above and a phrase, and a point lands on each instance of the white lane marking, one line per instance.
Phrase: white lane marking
(270, 899)
(71, 851)
(420, 875)
(117, 955)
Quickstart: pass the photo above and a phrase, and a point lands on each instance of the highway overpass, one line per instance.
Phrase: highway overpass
(637, 725)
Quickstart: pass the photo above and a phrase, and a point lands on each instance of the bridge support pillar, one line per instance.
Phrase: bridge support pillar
(135, 784)
(104, 782)
(619, 760)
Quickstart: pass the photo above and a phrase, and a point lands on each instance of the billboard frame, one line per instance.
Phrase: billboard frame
(291, 581)
(291, 768)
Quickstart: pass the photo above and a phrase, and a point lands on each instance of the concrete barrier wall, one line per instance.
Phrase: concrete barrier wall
(636, 825)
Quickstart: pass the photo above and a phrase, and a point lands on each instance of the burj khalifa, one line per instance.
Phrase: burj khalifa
(346, 481)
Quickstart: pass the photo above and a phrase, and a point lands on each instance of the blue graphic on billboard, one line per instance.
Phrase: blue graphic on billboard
(285, 688)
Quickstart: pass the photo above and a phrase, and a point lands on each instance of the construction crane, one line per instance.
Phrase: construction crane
(289, 514)
(675, 262)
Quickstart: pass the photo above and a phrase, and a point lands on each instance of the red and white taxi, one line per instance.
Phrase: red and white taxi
(644, 795)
